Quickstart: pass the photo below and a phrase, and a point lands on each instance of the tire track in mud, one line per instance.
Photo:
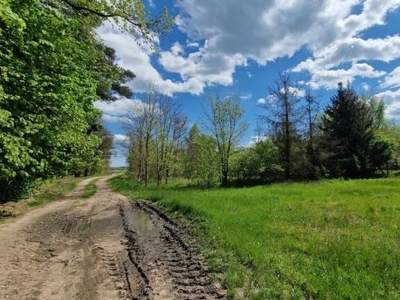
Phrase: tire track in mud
(162, 265)
(103, 248)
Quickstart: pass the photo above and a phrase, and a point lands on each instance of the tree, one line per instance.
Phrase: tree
(312, 164)
(52, 69)
(201, 163)
(348, 126)
(256, 164)
(224, 121)
(156, 127)
(140, 125)
(284, 117)
(171, 128)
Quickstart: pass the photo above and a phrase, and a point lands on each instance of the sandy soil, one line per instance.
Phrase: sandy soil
(105, 247)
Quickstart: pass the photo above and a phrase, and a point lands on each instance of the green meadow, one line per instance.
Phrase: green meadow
(322, 240)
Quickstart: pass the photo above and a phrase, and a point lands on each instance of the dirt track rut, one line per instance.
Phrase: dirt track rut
(106, 247)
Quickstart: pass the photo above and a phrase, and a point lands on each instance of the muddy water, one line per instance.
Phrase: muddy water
(143, 224)
(163, 265)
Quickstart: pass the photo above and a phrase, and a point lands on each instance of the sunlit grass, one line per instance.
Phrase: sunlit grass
(53, 189)
(323, 240)
(90, 189)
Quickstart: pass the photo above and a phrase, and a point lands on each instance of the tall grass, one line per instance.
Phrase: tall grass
(322, 240)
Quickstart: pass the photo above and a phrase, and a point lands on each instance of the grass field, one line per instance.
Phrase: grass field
(322, 240)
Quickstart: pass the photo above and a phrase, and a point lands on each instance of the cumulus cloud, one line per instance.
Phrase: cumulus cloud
(120, 111)
(265, 30)
(136, 56)
(261, 101)
(205, 66)
(223, 35)
(392, 101)
(393, 79)
(120, 138)
(322, 78)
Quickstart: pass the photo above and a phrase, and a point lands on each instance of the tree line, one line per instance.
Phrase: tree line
(53, 66)
(296, 140)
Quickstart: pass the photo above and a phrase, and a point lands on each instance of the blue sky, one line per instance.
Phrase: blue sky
(235, 45)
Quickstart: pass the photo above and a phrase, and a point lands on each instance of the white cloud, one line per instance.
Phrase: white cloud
(192, 44)
(121, 111)
(261, 101)
(177, 49)
(246, 96)
(393, 79)
(365, 86)
(295, 91)
(120, 138)
(265, 30)
(222, 35)
(323, 78)
(119, 107)
(392, 101)
(135, 56)
(207, 67)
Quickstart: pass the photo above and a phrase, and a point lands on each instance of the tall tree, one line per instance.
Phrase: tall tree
(284, 115)
(170, 131)
(156, 128)
(224, 121)
(348, 127)
(313, 165)
(201, 162)
(52, 69)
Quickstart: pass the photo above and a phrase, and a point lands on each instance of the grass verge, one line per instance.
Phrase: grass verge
(322, 240)
(90, 189)
(53, 189)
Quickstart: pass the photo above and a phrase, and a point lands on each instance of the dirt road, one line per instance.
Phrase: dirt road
(106, 247)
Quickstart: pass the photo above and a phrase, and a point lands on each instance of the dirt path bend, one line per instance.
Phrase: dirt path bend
(106, 247)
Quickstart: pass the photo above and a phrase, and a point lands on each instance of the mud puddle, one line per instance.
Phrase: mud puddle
(104, 248)
(167, 267)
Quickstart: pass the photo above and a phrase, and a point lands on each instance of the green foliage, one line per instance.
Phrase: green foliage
(156, 131)
(258, 163)
(52, 68)
(322, 240)
(284, 113)
(201, 164)
(349, 125)
(224, 122)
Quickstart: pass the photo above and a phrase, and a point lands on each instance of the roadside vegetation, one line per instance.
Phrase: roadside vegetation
(53, 68)
(90, 189)
(335, 239)
(295, 140)
(49, 190)
(53, 189)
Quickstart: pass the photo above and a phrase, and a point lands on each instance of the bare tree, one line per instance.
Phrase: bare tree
(171, 128)
(140, 124)
(155, 127)
(311, 116)
(224, 121)
(284, 117)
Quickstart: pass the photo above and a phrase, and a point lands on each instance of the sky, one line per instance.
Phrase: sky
(235, 45)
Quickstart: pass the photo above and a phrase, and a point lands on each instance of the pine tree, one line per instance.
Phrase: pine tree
(349, 140)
